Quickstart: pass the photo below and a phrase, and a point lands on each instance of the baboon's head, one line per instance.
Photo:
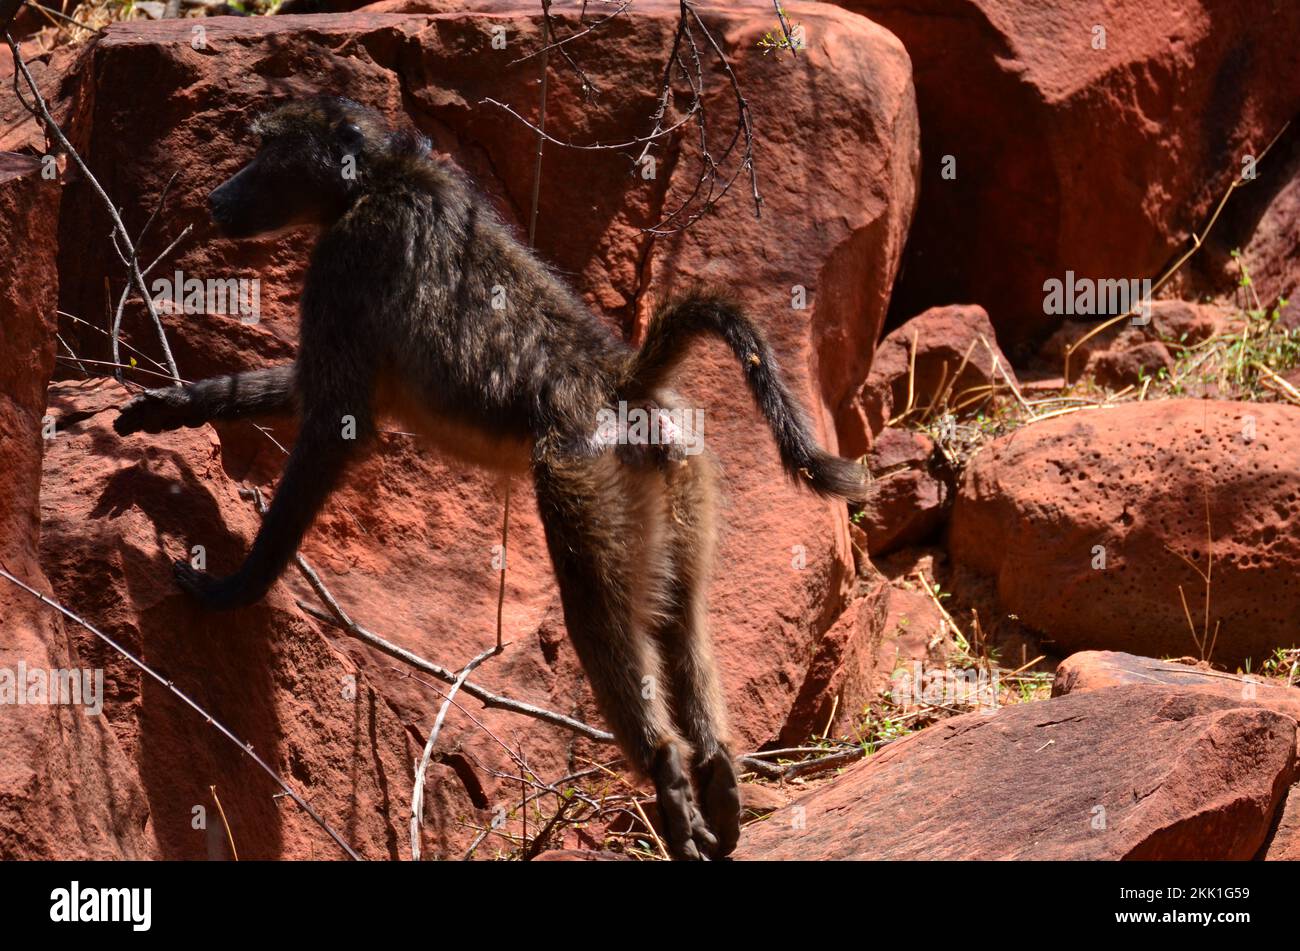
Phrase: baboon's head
(316, 158)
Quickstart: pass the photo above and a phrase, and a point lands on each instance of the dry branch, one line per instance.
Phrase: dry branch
(417, 793)
(121, 240)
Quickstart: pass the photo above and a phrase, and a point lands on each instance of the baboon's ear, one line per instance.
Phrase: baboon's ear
(349, 135)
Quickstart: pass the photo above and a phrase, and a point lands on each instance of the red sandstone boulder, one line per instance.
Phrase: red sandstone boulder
(1047, 132)
(115, 515)
(1131, 772)
(910, 492)
(1097, 670)
(65, 790)
(956, 354)
(1090, 523)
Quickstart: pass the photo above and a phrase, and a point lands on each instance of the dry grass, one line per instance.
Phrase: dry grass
(1246, 360)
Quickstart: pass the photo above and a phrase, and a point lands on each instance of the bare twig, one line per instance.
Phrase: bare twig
(101, 330)
(417, 793)
(486, 697)
(72, 354)
(807, 767)
(559, 44)
(710, 186)
(222, 812)
(40, 110)
(115, 336)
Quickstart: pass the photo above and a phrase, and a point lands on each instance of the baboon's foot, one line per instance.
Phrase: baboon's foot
(715, 778)
(685, 832)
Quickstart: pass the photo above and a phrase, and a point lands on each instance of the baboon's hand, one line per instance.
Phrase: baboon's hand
(156, 411)
(715, 777)
(686, 834)
(216, 594)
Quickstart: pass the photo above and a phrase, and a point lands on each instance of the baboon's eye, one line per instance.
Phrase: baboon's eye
(348, 134)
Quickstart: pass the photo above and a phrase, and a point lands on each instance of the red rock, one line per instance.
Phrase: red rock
(1120, 368)
(841, 676)
(1097, 670)
(1135, 480)
(956, 352)
(1284, 844)
(408, 544)
(65, 791)
(1047, 132)
(757, 801)
(114, 516)
(1258, 235)
(1172, 323)
(1131, 772)
(910, 495)
(1272, 255)
(914, 627)
(1185, 322)
(29, 206)
(18, 131)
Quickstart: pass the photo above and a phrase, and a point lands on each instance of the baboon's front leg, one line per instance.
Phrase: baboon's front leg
(314, 468)
(253, 393)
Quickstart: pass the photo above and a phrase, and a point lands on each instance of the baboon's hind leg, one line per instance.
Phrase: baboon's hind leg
(688, 649)
(604, 529)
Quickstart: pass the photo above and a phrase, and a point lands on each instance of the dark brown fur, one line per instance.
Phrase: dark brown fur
(397, 318)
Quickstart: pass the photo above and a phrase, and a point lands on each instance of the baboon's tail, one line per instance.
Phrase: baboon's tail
(679, 322)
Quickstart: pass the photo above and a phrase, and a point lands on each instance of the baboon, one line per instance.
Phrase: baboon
(419, 303)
